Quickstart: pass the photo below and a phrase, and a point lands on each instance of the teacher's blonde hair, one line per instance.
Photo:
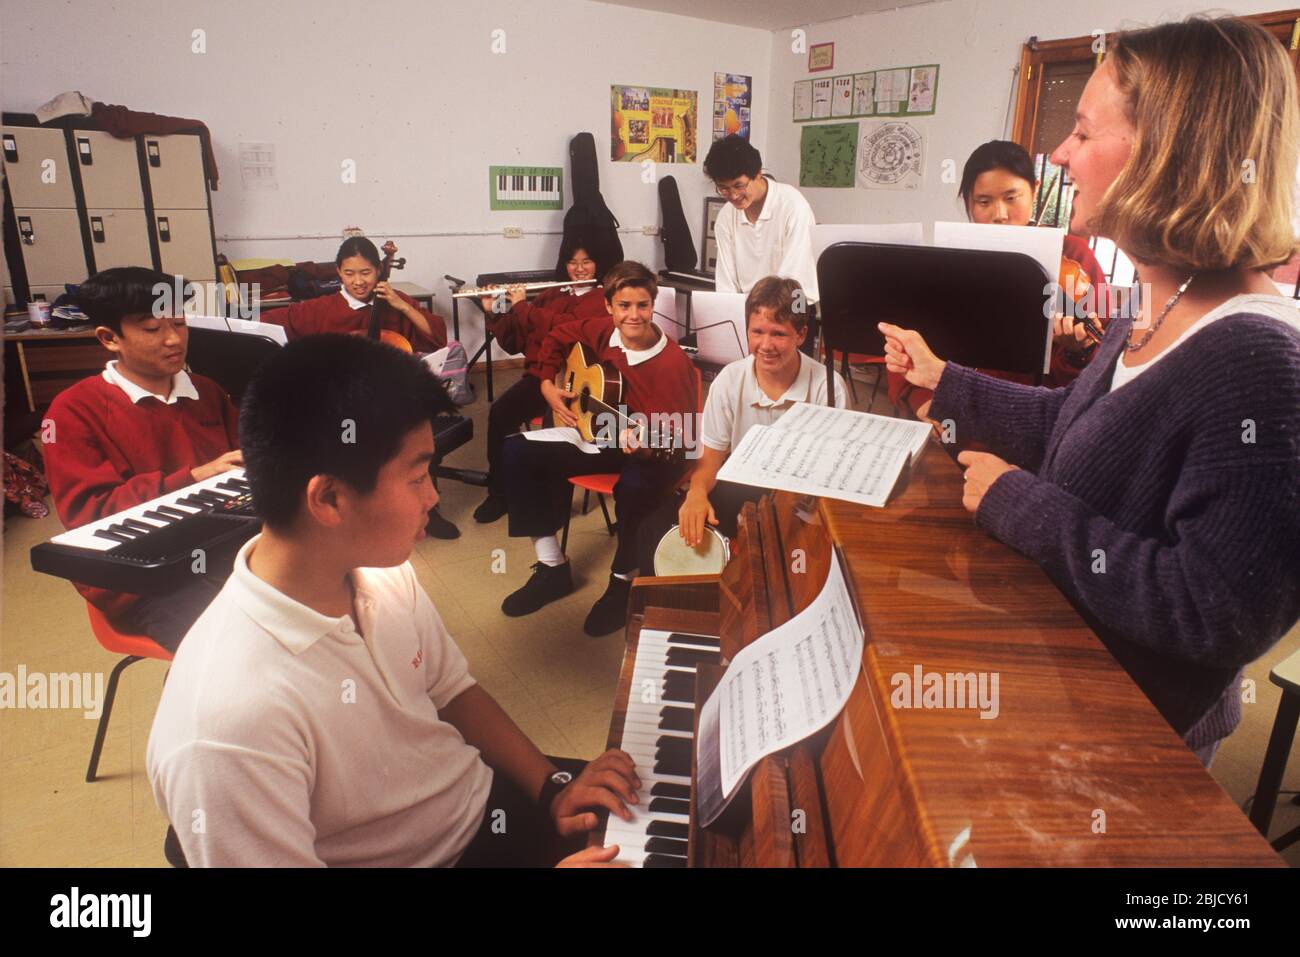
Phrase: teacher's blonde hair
(1210, 182)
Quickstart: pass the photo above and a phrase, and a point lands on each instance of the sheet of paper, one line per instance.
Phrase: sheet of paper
(561, 433)
(1042, 243)
(777, 691)
(835, 453)
(842, 96)
(821, 90)
(803, 100)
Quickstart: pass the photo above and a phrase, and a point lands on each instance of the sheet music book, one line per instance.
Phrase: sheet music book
(777, 691)
(835, 453)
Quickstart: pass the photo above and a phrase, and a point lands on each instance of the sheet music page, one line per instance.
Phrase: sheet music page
(778, 690)
(837, 453)
(561, 433)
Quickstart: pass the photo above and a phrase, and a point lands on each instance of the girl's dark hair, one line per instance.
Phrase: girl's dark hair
(111, 294)
(358, 246)
(570, 244)
(731, 158)
(330, 405)
(996, 154)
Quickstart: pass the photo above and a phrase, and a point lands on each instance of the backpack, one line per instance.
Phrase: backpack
(679, 248)
(589, 216)
(453, 372)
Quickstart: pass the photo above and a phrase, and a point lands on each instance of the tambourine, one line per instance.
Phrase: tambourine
(674, 557)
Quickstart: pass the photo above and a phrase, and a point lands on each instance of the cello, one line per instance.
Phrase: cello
(373, 329)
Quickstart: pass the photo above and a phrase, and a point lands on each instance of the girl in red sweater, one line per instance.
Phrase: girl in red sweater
(141, 429)
(998, 185)
(523, 328)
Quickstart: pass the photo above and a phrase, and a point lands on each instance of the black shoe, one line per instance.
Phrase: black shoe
(609, 614)
(492, 508)
(439, 527)
(548, 583)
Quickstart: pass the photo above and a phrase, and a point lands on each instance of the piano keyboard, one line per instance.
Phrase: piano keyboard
(659, 737)
(526, 187)
(127, 550)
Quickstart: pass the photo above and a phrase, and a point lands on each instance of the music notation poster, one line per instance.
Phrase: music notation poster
(891, 156)
(732, 95)
(777, 691)
(896, 91)
(653, 123)
(826, 154)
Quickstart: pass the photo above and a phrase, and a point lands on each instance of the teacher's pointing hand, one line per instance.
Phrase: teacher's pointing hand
(906, 353)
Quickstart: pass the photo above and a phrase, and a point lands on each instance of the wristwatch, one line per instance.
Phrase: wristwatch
(551, 789)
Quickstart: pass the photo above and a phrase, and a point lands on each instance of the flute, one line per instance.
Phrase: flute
(529, 287)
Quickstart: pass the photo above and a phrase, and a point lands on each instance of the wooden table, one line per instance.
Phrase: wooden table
(50, 360)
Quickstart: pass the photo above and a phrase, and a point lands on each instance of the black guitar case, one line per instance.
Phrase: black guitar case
(589, 217)
(679, 248)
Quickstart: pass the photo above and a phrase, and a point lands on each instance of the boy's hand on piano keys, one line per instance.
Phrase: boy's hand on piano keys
(592, 857)
(608, 782)
(982, 470)
(222, 463)
(556, 398)
(695, 511)
(907, 354)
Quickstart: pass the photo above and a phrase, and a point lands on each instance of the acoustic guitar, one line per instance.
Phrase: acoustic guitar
(598, 388)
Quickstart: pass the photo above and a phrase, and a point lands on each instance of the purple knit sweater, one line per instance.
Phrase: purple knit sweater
(1198, 527)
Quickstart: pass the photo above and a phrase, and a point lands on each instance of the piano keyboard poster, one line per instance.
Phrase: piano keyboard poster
(526, 187)
(777, 691)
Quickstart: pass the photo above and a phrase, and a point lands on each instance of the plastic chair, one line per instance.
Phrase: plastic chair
(1286, 675)
(134, 647)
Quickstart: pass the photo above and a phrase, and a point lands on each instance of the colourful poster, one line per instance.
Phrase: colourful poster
(826, 155)
(731, 105)
(653, 123)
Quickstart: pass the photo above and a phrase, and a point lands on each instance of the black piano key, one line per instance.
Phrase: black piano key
(674, 765)
(138, 525)
(677, 719)
(193, 501)
(668, 829)
(681, 792)
(112, 536)
(666, 845)
(669, 806)
(234, 485)
(176, 512)
(663, 860)
(212, 497)
(158, 516)
(126, 530)
(692, 658)
(675, 746)
(677, 638)
(684, 695)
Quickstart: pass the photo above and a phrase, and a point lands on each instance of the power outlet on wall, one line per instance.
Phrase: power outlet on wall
(650, 230)
(514, 232)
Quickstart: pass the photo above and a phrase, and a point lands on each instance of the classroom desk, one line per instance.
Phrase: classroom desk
(50, 360)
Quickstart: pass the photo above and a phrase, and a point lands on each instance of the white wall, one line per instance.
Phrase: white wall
(409, 89)
(977, 44)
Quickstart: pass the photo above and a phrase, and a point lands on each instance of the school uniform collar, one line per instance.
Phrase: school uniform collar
(182, 386)
(634, 357)
(289, 622)
(767, 211)
(799, 389)
(352, 301)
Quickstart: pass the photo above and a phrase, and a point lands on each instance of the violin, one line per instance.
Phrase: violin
(1074, 276)
(373, 329)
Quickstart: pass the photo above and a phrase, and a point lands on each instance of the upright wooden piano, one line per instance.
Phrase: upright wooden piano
(1077, 768)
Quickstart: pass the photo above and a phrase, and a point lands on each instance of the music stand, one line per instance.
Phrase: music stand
(718, 327)
(982, 308)
(229, 358)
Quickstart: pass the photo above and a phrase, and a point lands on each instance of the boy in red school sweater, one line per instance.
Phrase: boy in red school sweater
(142, 428)
(659, 381)
(523, 328)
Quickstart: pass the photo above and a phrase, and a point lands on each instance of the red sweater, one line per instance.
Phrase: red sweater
(665, 383)
(334, 314)
(908, 398)
(110, 453)
(525, 327)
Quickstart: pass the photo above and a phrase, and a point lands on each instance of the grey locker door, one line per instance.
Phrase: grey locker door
(110, 170)
(119, 237)
(177, 178)
(36, 165)
(54, 253)
(185, 243)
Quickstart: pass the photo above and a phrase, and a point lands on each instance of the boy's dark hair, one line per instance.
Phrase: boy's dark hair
(778, 295)
(330, 405)
(731, 158)
(112, 294)
(629, 274)
(358, 246)
(995, 154)
(570, 243)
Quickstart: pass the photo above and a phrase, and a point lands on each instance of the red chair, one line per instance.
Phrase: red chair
(135, 647)
(602, 483)
(858, 358)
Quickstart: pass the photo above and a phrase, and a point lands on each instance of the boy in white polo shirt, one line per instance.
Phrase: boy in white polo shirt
(319, 713)
(756, 390)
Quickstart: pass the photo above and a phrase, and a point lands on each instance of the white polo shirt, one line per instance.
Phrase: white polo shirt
(287, 738)
(778, 243)
(736, 402)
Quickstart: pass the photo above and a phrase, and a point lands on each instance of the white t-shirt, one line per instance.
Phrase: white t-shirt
(778, 243)
(1278, 307)
(736, 403)
(286, 738)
